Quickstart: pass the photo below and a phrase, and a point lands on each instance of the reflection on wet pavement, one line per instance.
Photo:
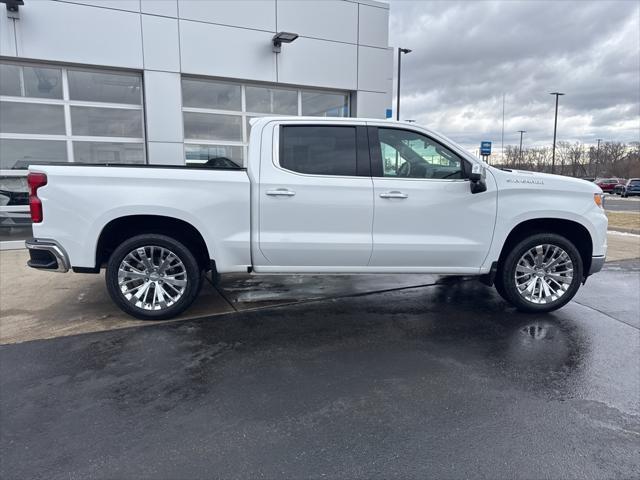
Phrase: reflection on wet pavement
(255, 291)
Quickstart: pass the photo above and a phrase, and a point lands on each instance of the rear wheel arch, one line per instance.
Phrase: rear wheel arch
(121, 229)
(573, 231)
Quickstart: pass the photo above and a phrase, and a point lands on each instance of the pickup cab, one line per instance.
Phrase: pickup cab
(321, 196)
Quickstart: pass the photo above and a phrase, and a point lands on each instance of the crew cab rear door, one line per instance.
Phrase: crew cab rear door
(425, 214)
(315, 198)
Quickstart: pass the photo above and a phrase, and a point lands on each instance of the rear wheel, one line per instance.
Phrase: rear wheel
(541, 273)
(153, 277)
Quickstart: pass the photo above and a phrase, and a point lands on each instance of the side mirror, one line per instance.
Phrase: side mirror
(477, 178)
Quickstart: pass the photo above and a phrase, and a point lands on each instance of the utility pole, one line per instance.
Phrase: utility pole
(502, 146)
(597, 158)
(400, 52)
(521, 133)
(555, 128)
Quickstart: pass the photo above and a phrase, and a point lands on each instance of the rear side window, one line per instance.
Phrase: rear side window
(319, 149)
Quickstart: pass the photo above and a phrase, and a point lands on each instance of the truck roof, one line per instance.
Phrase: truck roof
(281, 118)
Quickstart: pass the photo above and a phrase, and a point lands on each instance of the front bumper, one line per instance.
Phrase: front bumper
(596, 264)
(47, 255)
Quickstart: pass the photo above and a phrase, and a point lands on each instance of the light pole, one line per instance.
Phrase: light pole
(597, 158)
(555, 128)
(520, 153)
(400, 52)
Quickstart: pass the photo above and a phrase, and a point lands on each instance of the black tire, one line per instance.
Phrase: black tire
(507, 270)
(192, 274)
(497, 283)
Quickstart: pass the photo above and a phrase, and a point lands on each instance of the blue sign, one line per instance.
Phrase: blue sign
(389, 113)
(485, 148)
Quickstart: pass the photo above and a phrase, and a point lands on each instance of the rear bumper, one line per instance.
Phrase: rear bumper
(47, 255)
(596, 264)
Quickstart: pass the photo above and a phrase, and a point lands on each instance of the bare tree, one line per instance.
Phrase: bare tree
(615, 159)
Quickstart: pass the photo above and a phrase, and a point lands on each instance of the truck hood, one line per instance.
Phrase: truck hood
(545, 181)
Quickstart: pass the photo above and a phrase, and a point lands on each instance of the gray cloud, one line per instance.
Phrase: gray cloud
(467, 54)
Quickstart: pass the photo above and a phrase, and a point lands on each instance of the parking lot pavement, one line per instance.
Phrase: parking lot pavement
(438, 381)
(37, 305)
(616, 203)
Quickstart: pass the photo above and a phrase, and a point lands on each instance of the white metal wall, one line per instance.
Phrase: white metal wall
(342, 46)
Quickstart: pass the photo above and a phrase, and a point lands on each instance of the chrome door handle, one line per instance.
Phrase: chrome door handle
(394, 194)
(281, 192)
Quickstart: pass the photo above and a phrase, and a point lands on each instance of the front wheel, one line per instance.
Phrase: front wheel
(541, 273)
(153, 277)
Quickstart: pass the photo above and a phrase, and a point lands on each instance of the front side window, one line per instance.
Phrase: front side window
(319, 149)
(407, 154)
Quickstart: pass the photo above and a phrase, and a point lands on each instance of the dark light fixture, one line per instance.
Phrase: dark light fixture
(13, 8)
(280, 38)
(12, 5)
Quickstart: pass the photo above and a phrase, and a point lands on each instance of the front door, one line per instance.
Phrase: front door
(316, 199)
(425, 214)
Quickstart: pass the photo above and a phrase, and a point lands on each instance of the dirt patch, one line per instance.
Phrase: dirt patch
(624, 221)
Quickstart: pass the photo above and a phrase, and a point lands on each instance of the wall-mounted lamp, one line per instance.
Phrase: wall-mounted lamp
(280, 38)
(13, 7)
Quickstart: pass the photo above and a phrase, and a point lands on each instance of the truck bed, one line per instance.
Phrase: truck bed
(80, 200)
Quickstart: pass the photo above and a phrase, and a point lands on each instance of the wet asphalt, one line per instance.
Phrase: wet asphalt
(439, 381)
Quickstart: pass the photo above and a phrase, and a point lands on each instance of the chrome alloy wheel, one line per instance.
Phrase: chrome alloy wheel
(152, 277)
(543, 274)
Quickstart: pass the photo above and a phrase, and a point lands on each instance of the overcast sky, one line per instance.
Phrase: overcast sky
(466, 54)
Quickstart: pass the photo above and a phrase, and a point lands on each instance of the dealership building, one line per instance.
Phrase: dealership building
(174, 82)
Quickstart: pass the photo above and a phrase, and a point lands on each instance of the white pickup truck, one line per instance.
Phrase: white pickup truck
(318, 195)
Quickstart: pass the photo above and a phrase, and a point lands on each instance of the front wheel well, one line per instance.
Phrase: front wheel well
(572, 231)
(123, 228)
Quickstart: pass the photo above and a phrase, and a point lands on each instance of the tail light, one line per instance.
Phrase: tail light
(35, 181)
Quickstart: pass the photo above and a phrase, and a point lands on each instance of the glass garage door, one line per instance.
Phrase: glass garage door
(62, 114)
(216, 115)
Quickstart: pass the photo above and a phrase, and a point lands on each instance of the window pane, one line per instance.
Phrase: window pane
(320, 104)
(205, 126)
(19, 154)
(412, 155)
(106, 122)
(105, 87)
(207, 94)
(319, 150)
(271, 100)
(10, 80)
(15, 226)
(222, 156)
(43, 82)
(20, 117)
(13, 191)
(108, 152)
